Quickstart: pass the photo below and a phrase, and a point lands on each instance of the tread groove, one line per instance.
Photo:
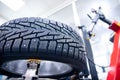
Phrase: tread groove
(38, 46)
(12, 45)
(29, 45)
(48, 43)
(21, 44)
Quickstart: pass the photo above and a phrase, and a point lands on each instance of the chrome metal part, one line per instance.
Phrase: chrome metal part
(45, 69)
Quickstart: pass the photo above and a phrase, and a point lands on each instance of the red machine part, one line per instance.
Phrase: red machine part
(114, 70)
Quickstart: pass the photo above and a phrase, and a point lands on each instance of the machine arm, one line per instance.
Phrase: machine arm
(114, 68)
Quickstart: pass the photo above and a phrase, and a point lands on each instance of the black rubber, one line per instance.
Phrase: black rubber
(37, 38)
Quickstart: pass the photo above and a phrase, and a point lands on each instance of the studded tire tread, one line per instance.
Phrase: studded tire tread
(27, 38)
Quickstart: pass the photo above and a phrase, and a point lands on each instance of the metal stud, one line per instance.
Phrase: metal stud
(24, 45)
(34, 40)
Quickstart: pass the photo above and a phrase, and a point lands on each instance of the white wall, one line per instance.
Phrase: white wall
(2, 20)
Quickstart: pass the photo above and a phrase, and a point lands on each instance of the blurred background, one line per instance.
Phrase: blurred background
(71, 12)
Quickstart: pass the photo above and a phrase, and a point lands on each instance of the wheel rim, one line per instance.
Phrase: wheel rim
(46, 69)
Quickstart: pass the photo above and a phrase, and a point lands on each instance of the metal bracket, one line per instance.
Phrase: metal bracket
(33, 65)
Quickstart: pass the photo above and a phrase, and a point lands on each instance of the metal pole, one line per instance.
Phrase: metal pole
(89, 52)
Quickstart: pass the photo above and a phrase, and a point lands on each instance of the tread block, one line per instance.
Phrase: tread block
(65, 49)
(26, 33)
(80, 54)
(31, 19)
(80, 45)
(59, 48)
(73, 44)
(25, 45)
(2, 38)
(35, 26)
(69, 40)
(59, 37)
(38, 31)
(24, 24)
(19, 26)
(6, 28)
(42, 34)
(2, 27)
(46, 21)
(43, 46)
(29, 36)
(12, 25)
(46, 38)
(53, 22)
(61, 40)
(16, 45)
(7, 32)
(71, 51)
(7, 47)
(55, 34)
(13, 36)
(76, 53)
(10, 34)
(67, 37)
(38, 19)
(2, 45)
(25, 19)
(52, 46)
(17, 20)
(2, 34)
(33, 45)
(21, 31)
(40, 24)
